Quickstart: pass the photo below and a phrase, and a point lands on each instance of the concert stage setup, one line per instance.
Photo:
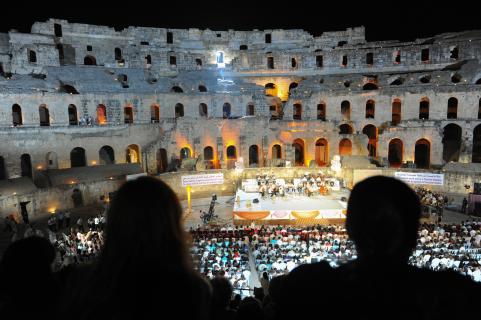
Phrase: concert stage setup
(290, 208)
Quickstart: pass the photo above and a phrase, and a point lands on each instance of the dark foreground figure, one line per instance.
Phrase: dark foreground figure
(143, 271)
(382, 219)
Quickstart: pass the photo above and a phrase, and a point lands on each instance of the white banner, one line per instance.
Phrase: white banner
(421, 178)
(202, 179)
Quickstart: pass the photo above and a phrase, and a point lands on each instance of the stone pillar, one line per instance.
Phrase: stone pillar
(220, 153)
(264, 152)
(466, 153)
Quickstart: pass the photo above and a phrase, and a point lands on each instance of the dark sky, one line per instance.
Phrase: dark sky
(386, 20)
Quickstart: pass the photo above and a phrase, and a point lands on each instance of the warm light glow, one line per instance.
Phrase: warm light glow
(52, 210)
(39, 167)
(94, 162)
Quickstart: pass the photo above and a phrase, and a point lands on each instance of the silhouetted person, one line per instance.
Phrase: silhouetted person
(221, 296)
(144, 269)
(24, 212)
(382, 219)
(28, 288)
(250, 309)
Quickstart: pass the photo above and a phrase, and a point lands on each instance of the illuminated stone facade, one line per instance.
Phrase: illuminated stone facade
(82, 95)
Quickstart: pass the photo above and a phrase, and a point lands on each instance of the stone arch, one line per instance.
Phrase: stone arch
(17, 119)
(395, 153)
(346, 110)
(90, 60)
(179, 110)
(345, 129)
(154, 113)
(452, 142)
(106, 155)
(396, 112)
(422, 154)
(44, 115)
(322, 152)
(424, 109)
(370, 86)
(297, 111)
(132, 154)
(3, 170)
(299, 152)
(162, 160)
(270, 90)
(452, 108)
(476, 154)
(371, 132)
(128, 114)
(77, 157)
(370, 109)
(321, 111)
(72, 115)
(276, 152)
(250, 109)
(253, 156)
(26, 165)
(203, 110)
(231, 156)
(209, 157)
(345, 147)
(185, 153)
(51, 160)
(176, 89)
(202, 88)
(226, 110)
(101, 114)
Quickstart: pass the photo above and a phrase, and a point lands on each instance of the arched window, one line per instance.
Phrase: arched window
(250, 110)
(321, 111)
(77, 157)
(132, 154)
(345, 147)
(346, 110)
(148, 60)
(72, 115)
(32, 56)
(452, 142)
(370, 109)
(209, 157)
(128, 114)
(270, 90)
(101, 114)
(292, 86)
(202, 88)
(154, 113)
(422, 154)
(297, 111)
(452, 108)
(118, 54)
(293, 63)
(370, 86)
(17, 115)
(226, 111)
(231, 154)
(176, 89)
(345, 129)
(371, 132)
(424, 109)
(185, 153)
(44, 115)
(370, 58)
(298, 146)
(52, 160)
(203, 112)
(395, 153)
(162, 161)
(3, 171)
(270, 62)
(253, 156)
(106, 155)
(179, 110)
(396, 112)
(26, 165)
(322, 152)
(276, 152)
(90, 60)
(476, 154)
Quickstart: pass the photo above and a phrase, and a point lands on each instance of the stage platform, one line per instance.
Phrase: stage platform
(293, 208)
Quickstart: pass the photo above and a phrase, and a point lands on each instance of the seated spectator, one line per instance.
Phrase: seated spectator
(221, 297)
(143, 270)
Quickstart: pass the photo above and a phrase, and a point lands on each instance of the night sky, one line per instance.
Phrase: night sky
(383, 21)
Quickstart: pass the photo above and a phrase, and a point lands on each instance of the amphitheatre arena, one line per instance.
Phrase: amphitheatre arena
(256, 128)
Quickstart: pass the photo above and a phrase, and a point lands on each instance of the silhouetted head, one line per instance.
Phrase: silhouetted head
(221, 292)
(144, 226)
(275, 287)
(250, 309)
(383, 218)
